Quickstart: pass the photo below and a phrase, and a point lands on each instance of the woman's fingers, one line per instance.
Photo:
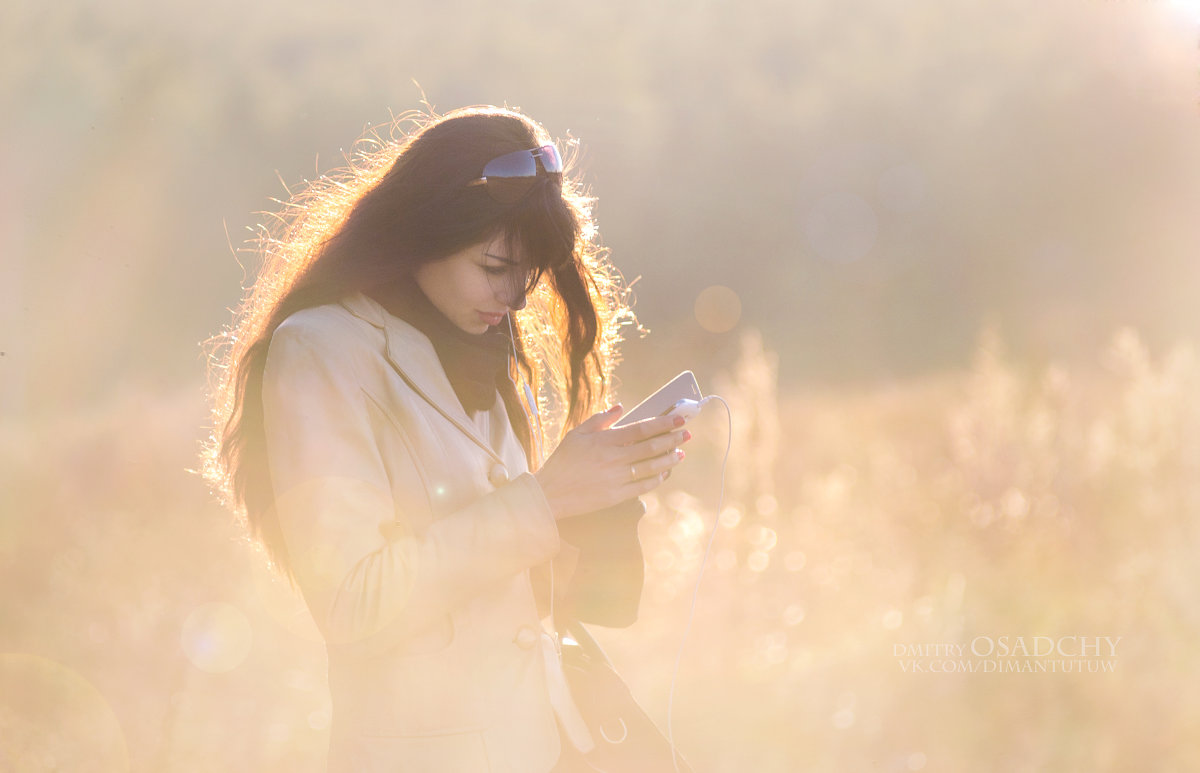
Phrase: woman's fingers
(648, 458)
(596, 466)
(651, 448)
(642, 486)
(599, 421)
(654, 467)
(641, 430)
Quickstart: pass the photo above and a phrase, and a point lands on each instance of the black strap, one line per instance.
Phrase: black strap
(576, 630)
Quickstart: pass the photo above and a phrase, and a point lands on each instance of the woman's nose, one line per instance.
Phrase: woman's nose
(513, 298)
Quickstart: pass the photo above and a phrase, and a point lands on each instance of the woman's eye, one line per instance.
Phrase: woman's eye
(496, 270)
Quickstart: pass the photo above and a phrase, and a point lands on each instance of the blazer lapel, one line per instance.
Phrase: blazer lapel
(412, 355)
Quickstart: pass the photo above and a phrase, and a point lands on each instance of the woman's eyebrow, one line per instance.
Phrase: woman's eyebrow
(502, 259)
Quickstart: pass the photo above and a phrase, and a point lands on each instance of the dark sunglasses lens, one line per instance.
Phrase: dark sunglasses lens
(518, 164)
(551, 161)
(511, 176)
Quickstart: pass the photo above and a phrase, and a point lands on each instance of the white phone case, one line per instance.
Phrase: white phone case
(682, 387)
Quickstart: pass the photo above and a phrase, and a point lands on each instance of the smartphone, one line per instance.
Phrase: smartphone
(682, 387)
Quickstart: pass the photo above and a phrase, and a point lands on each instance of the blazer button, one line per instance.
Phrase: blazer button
(498, 475)
(526, 637)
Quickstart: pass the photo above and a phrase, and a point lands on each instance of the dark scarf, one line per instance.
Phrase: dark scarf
(476, 365)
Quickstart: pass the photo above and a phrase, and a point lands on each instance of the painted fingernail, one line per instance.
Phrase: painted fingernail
(680, 454)
(678, 421)
(616, 407)
(686, 436)
(666, 474)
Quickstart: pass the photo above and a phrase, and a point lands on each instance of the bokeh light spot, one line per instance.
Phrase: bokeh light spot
(663, 560)
(1016, 505)
(718, 309)
(216, 637)
(843, 718)
(764, 538)
(52, 718)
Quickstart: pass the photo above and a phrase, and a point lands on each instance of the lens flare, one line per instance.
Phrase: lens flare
(718, 309)
(216, 637)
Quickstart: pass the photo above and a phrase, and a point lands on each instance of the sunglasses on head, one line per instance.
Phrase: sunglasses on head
(509, 177)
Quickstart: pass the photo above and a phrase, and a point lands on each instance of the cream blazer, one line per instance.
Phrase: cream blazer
(417, 537)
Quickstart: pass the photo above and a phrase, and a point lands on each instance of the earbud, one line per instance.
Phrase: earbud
(688, 409)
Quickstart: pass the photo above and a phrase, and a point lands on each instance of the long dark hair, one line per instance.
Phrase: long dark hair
(404, 200)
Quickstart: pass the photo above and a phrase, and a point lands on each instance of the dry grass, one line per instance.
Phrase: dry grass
(143, 634)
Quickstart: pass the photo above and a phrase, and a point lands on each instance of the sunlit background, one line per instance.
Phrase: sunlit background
(942, 258)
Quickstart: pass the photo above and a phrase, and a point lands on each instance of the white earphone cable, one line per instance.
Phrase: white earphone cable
(703, 561)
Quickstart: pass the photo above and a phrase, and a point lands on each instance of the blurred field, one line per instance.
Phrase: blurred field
(143, 634)
(869, 185)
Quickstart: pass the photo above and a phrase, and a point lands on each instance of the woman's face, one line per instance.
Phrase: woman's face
(476, 287)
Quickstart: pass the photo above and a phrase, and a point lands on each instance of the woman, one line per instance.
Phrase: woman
(378, 427)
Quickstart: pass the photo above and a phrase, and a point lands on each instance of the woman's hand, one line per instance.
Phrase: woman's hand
(595, 467)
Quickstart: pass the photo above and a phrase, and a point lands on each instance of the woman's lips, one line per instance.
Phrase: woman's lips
(491, 319)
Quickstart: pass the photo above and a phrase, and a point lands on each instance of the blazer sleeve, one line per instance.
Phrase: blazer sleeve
(333, 499)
